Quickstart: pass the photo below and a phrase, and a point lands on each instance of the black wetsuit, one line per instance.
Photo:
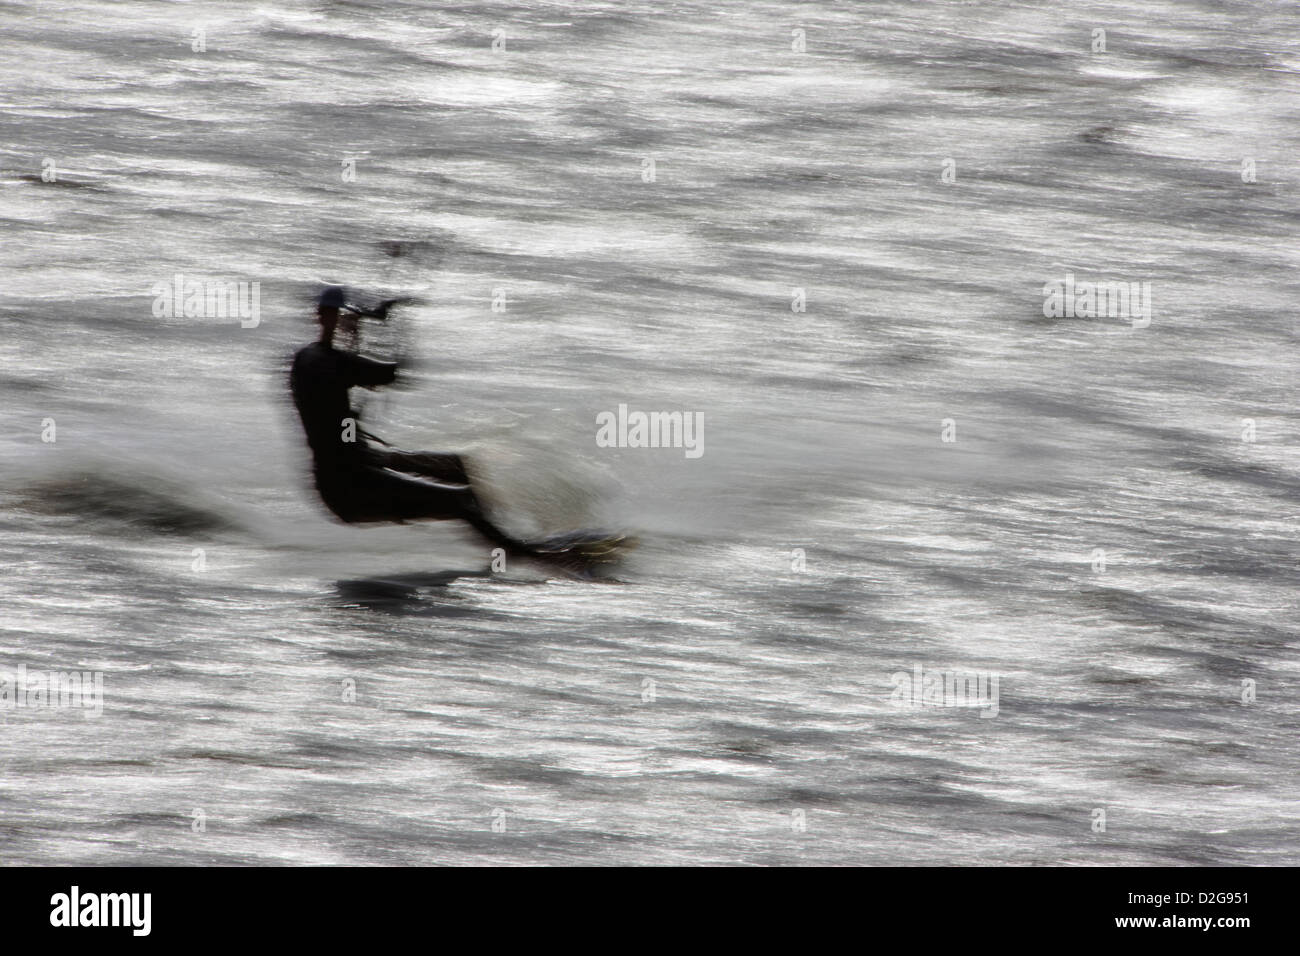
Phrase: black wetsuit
(358, 482)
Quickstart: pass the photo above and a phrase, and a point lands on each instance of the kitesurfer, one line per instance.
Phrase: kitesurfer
(358, 481)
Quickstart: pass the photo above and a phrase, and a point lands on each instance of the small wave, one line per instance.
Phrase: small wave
(58, 183)
(148, 504)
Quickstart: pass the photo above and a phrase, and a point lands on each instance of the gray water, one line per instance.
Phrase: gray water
(1111, 534)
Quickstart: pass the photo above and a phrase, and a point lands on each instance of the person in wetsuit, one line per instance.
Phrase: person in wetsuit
(359, 482)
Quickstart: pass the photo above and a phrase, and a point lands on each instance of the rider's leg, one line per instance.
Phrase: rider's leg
(406, 498)
(443, 467)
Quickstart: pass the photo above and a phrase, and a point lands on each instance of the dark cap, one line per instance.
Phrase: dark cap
(331, 298)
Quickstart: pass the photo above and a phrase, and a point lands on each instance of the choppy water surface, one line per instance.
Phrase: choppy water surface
(1112, 534)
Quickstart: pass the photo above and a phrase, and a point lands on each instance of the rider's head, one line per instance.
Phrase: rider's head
(328, 313)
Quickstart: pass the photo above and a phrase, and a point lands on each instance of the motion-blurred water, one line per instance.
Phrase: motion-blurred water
(646, 186)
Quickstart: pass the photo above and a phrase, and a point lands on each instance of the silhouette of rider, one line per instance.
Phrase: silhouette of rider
(359, 482)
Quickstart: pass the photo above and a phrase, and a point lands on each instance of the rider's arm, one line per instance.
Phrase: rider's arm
(369, 372)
